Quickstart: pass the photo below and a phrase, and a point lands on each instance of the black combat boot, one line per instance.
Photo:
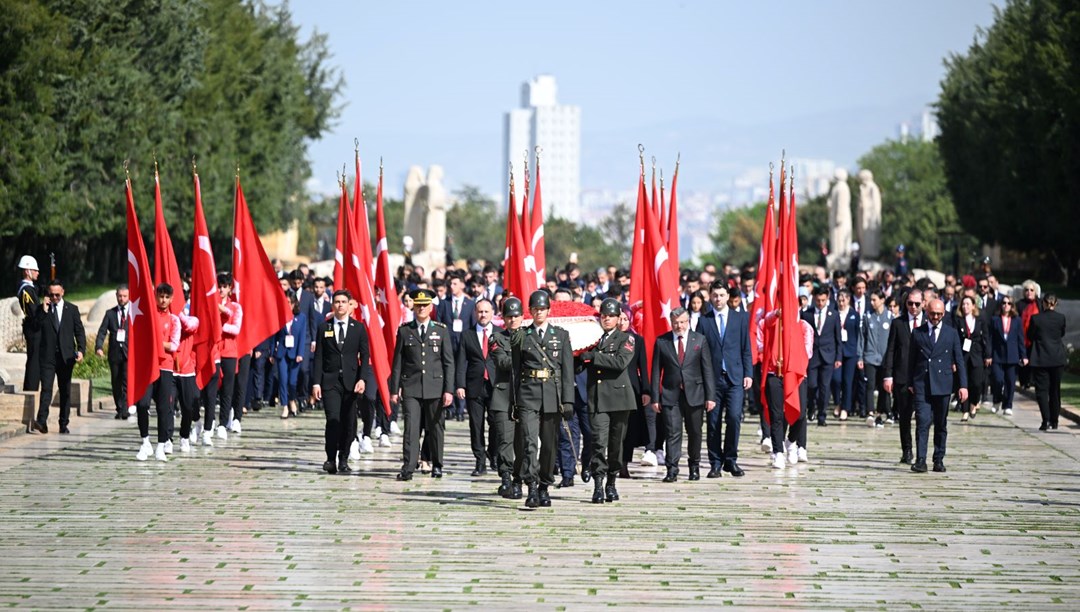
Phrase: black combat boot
(533, 500)
(515, 490)
(545, 499)
(598, 491)
(506, 488)
(610, 491)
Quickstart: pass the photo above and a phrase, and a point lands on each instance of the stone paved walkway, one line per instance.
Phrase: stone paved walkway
(254, 524)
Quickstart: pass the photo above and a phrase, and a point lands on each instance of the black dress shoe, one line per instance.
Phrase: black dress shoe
(585, 476)
(714, 473)
(939, 466)
(598, 492)
(672, 475)
(822, 424)
(624, 472)
(39, 427)
(567, 481)
(403, 476)
(343, 467)
(906, 457)
(544, 498)
(120, 417)
(1044, 426)
(533, 500)
(480, 469)
(436, 472)
(734, 469)
(515, 491)
(919, 467)
(329, 467)
(695, 473)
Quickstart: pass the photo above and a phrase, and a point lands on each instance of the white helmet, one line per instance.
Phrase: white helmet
(28, 263)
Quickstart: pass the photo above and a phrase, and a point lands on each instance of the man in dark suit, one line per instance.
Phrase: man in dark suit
(935, 356)
(492, 288)
(728, 334)
(423, 377)
(458, 312)
(683, 386)
(316, 316)
(306, 301)
(341, 355)
(826, 323)
(62, 344)
(1048, 358)
(895, 366)
(115, 327)
(475, 372)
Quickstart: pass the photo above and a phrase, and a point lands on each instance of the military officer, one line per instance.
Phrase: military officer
(507, 458)
(544, 395)
(28, 301)
(611, 399)
(423, 378)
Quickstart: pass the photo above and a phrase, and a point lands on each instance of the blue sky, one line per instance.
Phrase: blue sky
(428, 82)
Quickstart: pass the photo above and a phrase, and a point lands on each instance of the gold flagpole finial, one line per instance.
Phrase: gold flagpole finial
(127, 162)
(194, 168)
(511, 164)
(155, 163)
(238, 169)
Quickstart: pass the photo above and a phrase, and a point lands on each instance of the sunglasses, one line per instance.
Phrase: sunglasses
(984, 286)
(1006, 303)
(935, 314)
(56, 295)
(914, 303)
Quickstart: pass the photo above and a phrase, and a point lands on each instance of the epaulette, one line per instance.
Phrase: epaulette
(439, 323)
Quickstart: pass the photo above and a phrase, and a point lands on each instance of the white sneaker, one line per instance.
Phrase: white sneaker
(145, 450)
(159, 454)
(354, 450)
(778, 461)
(377, 432)
(185, 445)
(208, 438)
(131, 411)
(986, 402)
(193, 438)
(365, 446)
(766, 445)
(394, 429)
(792, 452)
(168, 447)
(870, 421)
(649, 459)
(222, 434)
(659, 456)
(235, 426)
(384, 441)
(995, 408)
(802, 455)
(1008, 412)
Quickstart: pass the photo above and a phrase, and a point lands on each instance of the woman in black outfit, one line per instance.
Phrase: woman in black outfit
(976, 345)
(1048, 359)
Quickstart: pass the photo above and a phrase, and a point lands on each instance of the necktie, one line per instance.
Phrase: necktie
(123, 319)
(56, 317)
(457, 308)
(340, 333)
(933, 336)
(723, 327)
(485, 350)
(423, 328)
(820, 321)
(682, 350)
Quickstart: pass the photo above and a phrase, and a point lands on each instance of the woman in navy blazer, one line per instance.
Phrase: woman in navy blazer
(287, 355)
(1007, 353)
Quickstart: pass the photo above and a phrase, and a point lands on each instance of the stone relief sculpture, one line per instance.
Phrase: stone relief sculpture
(840, 233)
(869, 215)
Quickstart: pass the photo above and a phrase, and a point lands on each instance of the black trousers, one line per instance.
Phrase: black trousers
(163, 391)
(339, 406)
(905, 409)
(228, 390)
(118, 379)
(208, 398)
(608, 433)
(60, 370)
(1048, 393)
(675, 417)
(875, 381)
(477, 408)
(429, 414)
(187, 394)
(976, 382)
(797, 431)
(32, 376)
(239, 399)
(774, 396)
(819, 376)
(366, 410)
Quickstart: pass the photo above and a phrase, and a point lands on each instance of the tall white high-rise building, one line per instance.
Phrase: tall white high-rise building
(556, 128)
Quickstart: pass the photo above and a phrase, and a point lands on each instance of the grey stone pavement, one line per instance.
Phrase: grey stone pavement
(254, 524)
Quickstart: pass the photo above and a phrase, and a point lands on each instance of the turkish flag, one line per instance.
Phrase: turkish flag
(765, 290)
(360, 220)
(673, 226)
(144, 333)
(526, 231)
(662, 287)
(536, 233)
(793, 351)
(385, 291)
(165, 268)
(204, 298)
(637, 256)
(517, 279)
(255, 285)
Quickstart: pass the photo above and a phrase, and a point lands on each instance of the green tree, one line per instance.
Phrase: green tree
(737, 235)
(618, 230)
(1009, 112)
(561, 237)
(474, 224)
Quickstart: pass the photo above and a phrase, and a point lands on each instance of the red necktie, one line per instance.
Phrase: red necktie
(485, 349)
(682, 350)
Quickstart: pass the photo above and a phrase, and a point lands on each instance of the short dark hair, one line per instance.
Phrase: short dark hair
(122, 287)
(344, 292)
(823, 290)
(224, 278)
(296, 275)
(719, 284)
(163, 289)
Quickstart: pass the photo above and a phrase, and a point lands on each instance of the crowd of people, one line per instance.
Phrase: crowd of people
(884, 348)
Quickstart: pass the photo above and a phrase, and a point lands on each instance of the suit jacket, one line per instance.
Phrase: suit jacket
(931, 363)
(471, 365)
(608, 366)
(980, 341)
(316, 316)
(694, 378)
(1046, 332)
(827, 343)
(67, 340)
(298, 332)
(348, 361)
(895, 363)
(444, 313)
(423, 367)
(849, 349)
(731, 358)
(1008, 349)
(550, 352)
(118, 351)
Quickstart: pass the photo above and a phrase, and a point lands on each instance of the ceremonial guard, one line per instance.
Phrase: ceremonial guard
(423, 378)
(27, 295)
(611, 399)
(503, 420)
(544, 364)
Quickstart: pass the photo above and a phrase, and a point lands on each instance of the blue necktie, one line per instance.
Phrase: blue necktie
(723, 329)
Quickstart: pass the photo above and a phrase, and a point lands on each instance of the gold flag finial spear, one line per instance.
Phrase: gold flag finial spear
(678, 159)
(194, 168)
(126, 172)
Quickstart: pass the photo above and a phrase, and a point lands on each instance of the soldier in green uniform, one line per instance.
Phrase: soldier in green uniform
(423, 377)
(507, 455)
(544, 362)
(611, 399)
(28, 300)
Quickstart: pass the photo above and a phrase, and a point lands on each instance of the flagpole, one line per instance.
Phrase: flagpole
(236, 195)
(779, 319)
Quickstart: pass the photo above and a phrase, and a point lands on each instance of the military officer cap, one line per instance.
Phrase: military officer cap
(610, 307)
(421, 297)
(540, 299)
(511, 307)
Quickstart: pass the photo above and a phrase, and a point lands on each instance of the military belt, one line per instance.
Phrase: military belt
(539, 374)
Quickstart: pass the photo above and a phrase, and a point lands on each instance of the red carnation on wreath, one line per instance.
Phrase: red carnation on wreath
(581, 321)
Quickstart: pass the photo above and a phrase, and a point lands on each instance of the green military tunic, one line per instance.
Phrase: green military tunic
(422, 372)
(507, 455)
(544, 392)
(611, 399)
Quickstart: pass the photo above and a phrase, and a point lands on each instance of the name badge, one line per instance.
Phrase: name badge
(843, 335)
(121, 335)
(290, 341)
(457, 326)
(967, 345)
(329, 333)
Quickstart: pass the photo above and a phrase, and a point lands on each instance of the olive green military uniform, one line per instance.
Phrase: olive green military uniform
(611, 399)
(507, 459)
(544, 393)
(423, 371)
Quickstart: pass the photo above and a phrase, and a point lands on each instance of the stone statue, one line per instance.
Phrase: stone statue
(840, 219)
(415, 209)
(435, 223)
(869, 215)
(425, 216)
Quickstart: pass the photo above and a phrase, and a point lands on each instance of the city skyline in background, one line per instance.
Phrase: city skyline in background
(727, 87)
